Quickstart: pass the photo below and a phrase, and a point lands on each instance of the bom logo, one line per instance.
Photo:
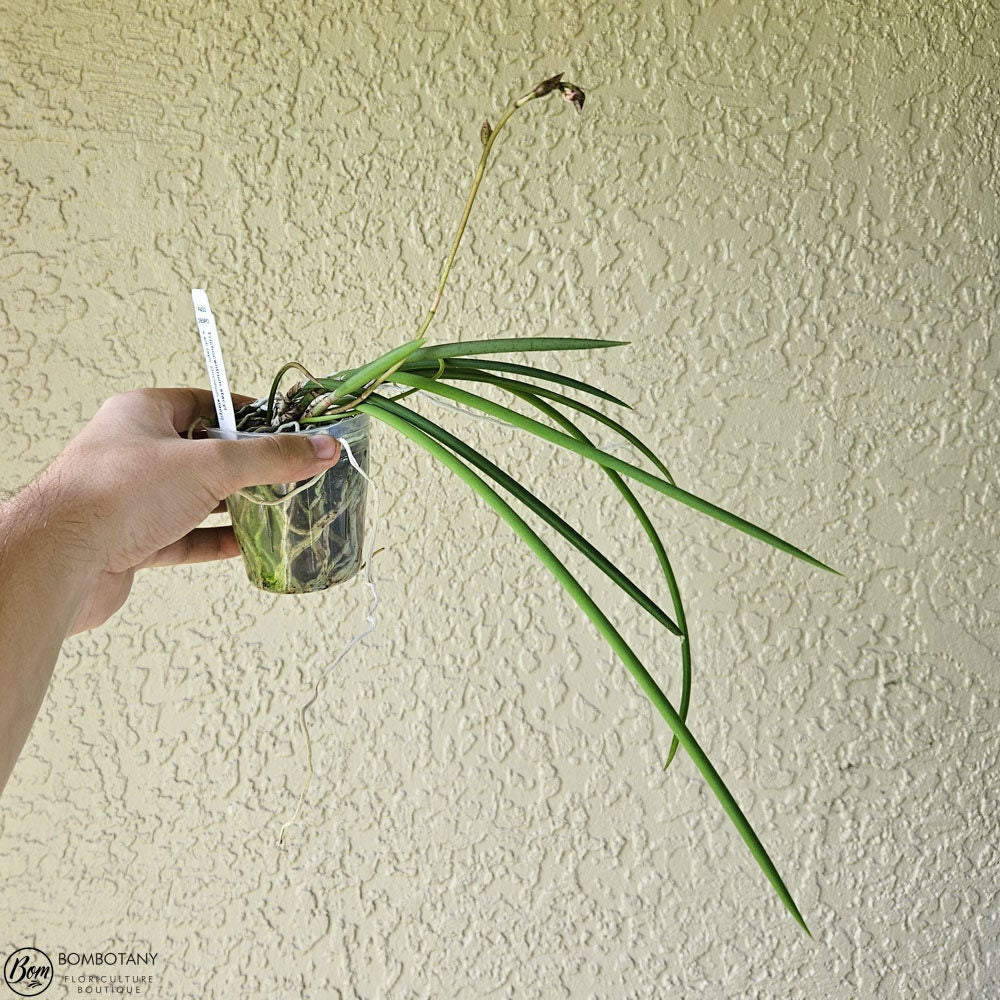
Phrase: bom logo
(28, 972)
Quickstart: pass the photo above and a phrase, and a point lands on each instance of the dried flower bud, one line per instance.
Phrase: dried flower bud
(547, 86)
(573, 94)
(485, 132)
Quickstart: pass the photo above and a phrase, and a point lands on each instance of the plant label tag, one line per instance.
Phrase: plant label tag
(213, 360)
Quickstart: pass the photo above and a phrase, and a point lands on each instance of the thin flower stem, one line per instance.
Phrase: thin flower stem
(489, 137)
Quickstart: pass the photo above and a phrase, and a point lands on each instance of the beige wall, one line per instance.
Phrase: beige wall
(790, 211)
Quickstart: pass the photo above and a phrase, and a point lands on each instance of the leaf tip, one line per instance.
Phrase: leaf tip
(822, 565)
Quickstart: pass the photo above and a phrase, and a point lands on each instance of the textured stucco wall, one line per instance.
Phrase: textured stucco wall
(789, 209)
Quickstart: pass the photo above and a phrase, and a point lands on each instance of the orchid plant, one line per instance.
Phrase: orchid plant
(453, 371)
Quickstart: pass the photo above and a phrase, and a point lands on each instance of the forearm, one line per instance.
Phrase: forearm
(126, 493)
(45, 574)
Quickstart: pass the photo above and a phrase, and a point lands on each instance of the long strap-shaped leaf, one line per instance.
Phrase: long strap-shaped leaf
(355, 379)
(511, 345)
(507, 415)
(658, 547)
(545, 512)
(611, 636)
(513, 385)
(473, 371)
(510, 367)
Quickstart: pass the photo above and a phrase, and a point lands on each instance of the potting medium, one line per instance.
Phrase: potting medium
(302, 537)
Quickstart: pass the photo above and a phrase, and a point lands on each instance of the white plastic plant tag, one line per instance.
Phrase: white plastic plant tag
(213, 360)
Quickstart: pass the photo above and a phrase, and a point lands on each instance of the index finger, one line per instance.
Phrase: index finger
(186, 405)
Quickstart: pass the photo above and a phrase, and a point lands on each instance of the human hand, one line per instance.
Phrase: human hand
(128, 492)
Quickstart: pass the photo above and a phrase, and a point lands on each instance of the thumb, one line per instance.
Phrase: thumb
(274, 458)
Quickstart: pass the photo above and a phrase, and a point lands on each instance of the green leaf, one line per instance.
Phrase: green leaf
(541, 430)
(614, 640)
(545, 512)
(511, 345)
(479, 364)
(658, 548)
(358, 378)
(530, 393)
(518, 387)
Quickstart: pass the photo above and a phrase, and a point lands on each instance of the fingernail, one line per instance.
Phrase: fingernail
(324, 446)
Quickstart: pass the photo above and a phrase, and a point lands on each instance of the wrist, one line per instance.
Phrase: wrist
(46, 575)
(48, 543)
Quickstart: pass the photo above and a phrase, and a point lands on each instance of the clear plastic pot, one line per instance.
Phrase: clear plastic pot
(300, 537)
